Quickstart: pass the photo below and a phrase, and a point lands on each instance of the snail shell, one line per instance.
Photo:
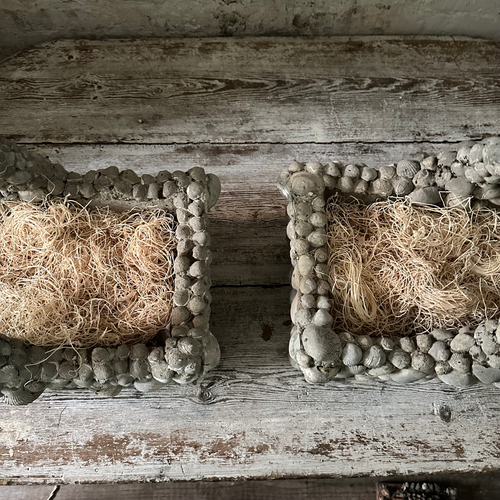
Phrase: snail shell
(407, 168)
(19, 397)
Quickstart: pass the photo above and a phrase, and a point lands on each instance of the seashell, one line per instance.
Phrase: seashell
(477, 354)
(333, 169)
(439, 351)
(402, 186)
(430, 163)
(351, 354)
(346, 337)
(322, 344)
(306, 184)
(462, 342)
(446, 158)
(424, 342)
(387, 172)
(487, 193)
(322, 318)
(399, 358)
(125, 379)
(211, 352)
(357, 369)
(406, 376)
(385, 369)
(476, 154)
(308, 301)
(314, 168)
(486, 375)
(421, 361)
(382, 187)
(19, 397)
(139, 369)
(386, 343)
(314, 376)
(345, 185)
(18, 357)
(303, 360)
(302, 317)
(423, 178)
(5, 348)
(8, 374)
(58, 383)
(109, 392)
(364, 341)
(407, 344)
(458, 379)
(295, 166)
(48, 371)
(407, 168)
(35, 386)
(460, 362)
(351, 171)
(374, 357)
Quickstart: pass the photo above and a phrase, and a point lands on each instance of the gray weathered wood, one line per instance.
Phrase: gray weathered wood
(264, 102)
(252, 418)
(471, 487)
(252, 90)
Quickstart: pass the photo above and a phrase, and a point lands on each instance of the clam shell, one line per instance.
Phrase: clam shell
(19, 397)
(407, 168)
(374, 357)
(8, 373)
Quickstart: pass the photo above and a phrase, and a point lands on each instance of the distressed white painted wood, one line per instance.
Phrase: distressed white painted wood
(244, 109)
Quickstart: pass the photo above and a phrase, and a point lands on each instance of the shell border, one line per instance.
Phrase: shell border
(26, 370)
(459, 358)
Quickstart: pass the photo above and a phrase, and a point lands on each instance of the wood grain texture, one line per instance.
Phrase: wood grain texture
(252, 90)
(253, 417)
(244, 109)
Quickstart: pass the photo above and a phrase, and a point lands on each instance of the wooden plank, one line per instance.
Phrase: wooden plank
(253, 417)
(262, 90)
(27, 492)
(248, 223)
(470, 487)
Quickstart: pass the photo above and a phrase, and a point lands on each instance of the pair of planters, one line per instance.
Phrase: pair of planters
(186, 349)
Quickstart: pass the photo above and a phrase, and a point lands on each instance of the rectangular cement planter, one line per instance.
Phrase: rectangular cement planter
(187, 349)
(466, 177)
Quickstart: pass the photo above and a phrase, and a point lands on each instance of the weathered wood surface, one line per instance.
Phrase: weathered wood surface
(470, 487)
(268, 101)
(252, 90)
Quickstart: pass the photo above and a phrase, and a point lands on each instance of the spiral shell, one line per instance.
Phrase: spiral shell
(407, 168)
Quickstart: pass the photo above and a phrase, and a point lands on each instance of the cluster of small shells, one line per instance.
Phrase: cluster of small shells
(465, 177)
(190, 349)
(26, 371)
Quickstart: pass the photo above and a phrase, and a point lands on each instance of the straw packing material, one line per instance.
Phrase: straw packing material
(397, 268)
(74, 276)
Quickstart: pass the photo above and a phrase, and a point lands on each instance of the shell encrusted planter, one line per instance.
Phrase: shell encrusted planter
(184, 349)
(466, 178)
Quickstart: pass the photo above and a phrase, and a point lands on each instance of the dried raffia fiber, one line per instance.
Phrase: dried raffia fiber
(397, 268)
(74, 276)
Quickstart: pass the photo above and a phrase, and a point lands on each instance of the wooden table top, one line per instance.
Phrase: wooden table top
(244, 109)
